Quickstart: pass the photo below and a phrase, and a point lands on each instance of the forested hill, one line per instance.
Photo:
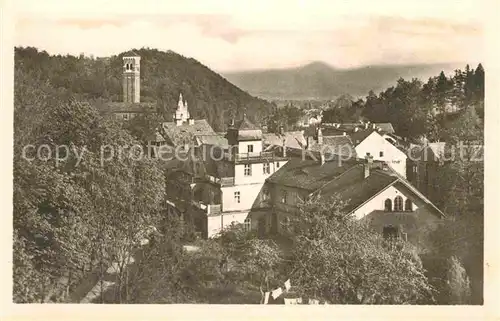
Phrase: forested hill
(163, 76)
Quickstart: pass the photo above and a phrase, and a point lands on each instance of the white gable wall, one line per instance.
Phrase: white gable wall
(378, 202)
(375, 144)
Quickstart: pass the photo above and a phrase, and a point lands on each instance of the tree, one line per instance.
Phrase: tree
(339, 260)
(457, 281)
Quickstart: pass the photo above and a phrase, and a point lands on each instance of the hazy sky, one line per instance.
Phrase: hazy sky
(256, 34)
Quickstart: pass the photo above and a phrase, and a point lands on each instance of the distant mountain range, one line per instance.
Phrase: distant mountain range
(319, 80)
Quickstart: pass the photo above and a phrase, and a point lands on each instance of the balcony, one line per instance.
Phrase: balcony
(208, 208)
(238, 157)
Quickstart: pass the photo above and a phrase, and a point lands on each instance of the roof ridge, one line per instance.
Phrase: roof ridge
(337, 177)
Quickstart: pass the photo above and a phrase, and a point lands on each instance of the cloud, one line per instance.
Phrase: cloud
(271, 39)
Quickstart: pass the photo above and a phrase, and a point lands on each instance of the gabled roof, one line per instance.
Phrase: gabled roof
(214, 139)
(345, 180)
(308, 174)
(340, 145)
(185, 133)
(293, 139)
(244, 124)
(361, 135)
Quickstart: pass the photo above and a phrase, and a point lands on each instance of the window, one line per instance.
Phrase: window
(250, 148)
(125, 116)
(398, 204)
(248, 224)
(248, 170)
(368, 154)
(277, 164)
(381, 154)
(408, 205)
(283, 197)
(388, 205)
(266, 168)
(390, 232)
(237, 197)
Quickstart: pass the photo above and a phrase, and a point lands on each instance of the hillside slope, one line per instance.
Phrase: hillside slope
(319, 80)
(163, 76)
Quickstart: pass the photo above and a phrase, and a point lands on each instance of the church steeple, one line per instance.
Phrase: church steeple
(181, 114)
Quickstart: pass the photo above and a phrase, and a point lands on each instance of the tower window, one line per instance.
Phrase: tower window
(388, 205)
(398, 204)
(237, 197)
(408, 205)
(248, 170)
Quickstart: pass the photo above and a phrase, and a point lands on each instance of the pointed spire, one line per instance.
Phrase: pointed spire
(180, 104)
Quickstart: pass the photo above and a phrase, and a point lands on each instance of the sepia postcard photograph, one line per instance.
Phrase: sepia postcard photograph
(262, 153)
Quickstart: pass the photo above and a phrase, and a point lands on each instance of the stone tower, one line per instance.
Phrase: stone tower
(131, 78)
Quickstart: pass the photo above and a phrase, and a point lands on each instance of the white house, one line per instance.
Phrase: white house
(372, 143)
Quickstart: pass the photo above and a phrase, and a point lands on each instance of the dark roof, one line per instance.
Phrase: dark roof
(353, 188)
(215, 139)
(121, 107)
(338, 145)
(185, 133)
(245, 124)
(360, 135)
(346, 180)
(130, 53)
(308, 174)
(292, 139)
(386, 127)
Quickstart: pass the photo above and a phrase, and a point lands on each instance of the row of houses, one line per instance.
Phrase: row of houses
(258, 179)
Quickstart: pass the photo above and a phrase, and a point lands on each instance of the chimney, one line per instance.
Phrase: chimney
(344, 134)
(366, 125)
(281, 131)
(320, 137)
(322, 157)
(191, 121)
(368, 163)
(374, 126)
(337, 125)
(356, 129)
(284, 147)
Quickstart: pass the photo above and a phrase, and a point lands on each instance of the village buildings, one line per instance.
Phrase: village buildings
(258, 179)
